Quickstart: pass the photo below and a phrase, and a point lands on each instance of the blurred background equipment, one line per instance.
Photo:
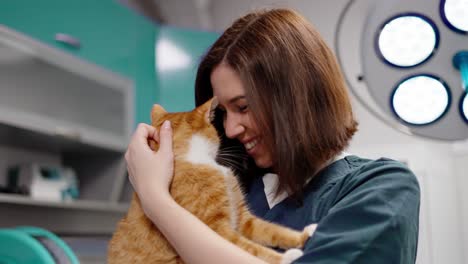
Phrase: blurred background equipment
(44, 182)
(33, 245)
(407, 63)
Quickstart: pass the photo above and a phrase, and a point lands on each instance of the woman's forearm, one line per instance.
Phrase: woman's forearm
(193, 240)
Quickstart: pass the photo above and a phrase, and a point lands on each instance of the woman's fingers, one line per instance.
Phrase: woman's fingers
(145, 131)
(165, 134)
(150, 172)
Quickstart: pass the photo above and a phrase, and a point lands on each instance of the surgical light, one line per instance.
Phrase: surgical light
(455, 14)
(420, 100)
(407, 40)
(414, 88)
(464, 108)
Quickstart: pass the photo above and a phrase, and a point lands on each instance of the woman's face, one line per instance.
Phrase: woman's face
(238, 121)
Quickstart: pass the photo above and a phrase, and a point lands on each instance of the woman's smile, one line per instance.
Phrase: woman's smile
(238, 120)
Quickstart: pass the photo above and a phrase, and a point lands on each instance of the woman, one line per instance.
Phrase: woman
(282, 97)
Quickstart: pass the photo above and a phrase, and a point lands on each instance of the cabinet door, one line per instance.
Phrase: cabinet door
(104, 29)
(49, 91)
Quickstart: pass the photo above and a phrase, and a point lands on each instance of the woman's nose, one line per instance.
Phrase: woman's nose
(232, 126)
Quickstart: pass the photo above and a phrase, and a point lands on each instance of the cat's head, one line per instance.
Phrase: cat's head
(187, 126)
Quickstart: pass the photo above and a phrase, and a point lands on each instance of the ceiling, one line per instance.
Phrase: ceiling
(217, 15)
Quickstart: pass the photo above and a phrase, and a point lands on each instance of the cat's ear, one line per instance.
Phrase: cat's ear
(208, 109)
(210, 115)
(156, 112)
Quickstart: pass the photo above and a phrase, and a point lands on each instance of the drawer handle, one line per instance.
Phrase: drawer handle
(68, 39)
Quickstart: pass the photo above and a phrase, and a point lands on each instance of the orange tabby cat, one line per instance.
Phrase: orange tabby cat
(209, 191)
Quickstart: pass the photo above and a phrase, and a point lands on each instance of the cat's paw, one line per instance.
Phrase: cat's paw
(310, 229)
(291, 255)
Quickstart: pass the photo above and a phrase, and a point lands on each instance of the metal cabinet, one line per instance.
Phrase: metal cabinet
(104, 32)
(59, 110)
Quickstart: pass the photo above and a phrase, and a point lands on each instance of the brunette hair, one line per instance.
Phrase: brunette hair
(294, 88)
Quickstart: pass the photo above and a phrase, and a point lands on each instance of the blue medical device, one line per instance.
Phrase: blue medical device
(460, 62)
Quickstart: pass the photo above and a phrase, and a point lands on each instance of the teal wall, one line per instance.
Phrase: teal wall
(143, 73)
(176, 86)
(106, 29)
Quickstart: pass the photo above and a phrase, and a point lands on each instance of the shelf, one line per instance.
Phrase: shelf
(82, 217)
(51, 92)
(57, 130)
(89, 205)
(14, 136)
(62, 112)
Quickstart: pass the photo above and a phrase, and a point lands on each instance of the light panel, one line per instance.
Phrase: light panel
(407, 40)
(464, 107)
(455, 13)
(420, 100)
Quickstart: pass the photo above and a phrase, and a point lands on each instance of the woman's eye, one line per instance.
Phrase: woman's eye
(243, 108)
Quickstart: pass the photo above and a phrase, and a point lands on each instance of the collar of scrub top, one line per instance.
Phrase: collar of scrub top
(271, 181)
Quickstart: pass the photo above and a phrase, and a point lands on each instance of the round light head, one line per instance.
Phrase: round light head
(407, 40)
(420, 100)
(455, 14)
(464, 107)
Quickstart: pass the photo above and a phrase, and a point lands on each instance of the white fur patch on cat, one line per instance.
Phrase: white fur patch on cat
(291, 255)
(203, 151)
(310, 229)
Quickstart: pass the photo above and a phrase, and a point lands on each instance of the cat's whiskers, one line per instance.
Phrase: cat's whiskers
(227, 160)
(238, 154)
(232, 148)
(232, 156)
(233, 166)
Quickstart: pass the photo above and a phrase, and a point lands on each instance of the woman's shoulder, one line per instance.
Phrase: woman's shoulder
(353, 175)
(359, 182)
(361, 170)
(382, 178)
(356, 170)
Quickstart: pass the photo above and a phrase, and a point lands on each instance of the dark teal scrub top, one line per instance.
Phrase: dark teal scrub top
(367, 212)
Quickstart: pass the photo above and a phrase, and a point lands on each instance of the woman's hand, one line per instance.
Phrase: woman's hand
(150, 172)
